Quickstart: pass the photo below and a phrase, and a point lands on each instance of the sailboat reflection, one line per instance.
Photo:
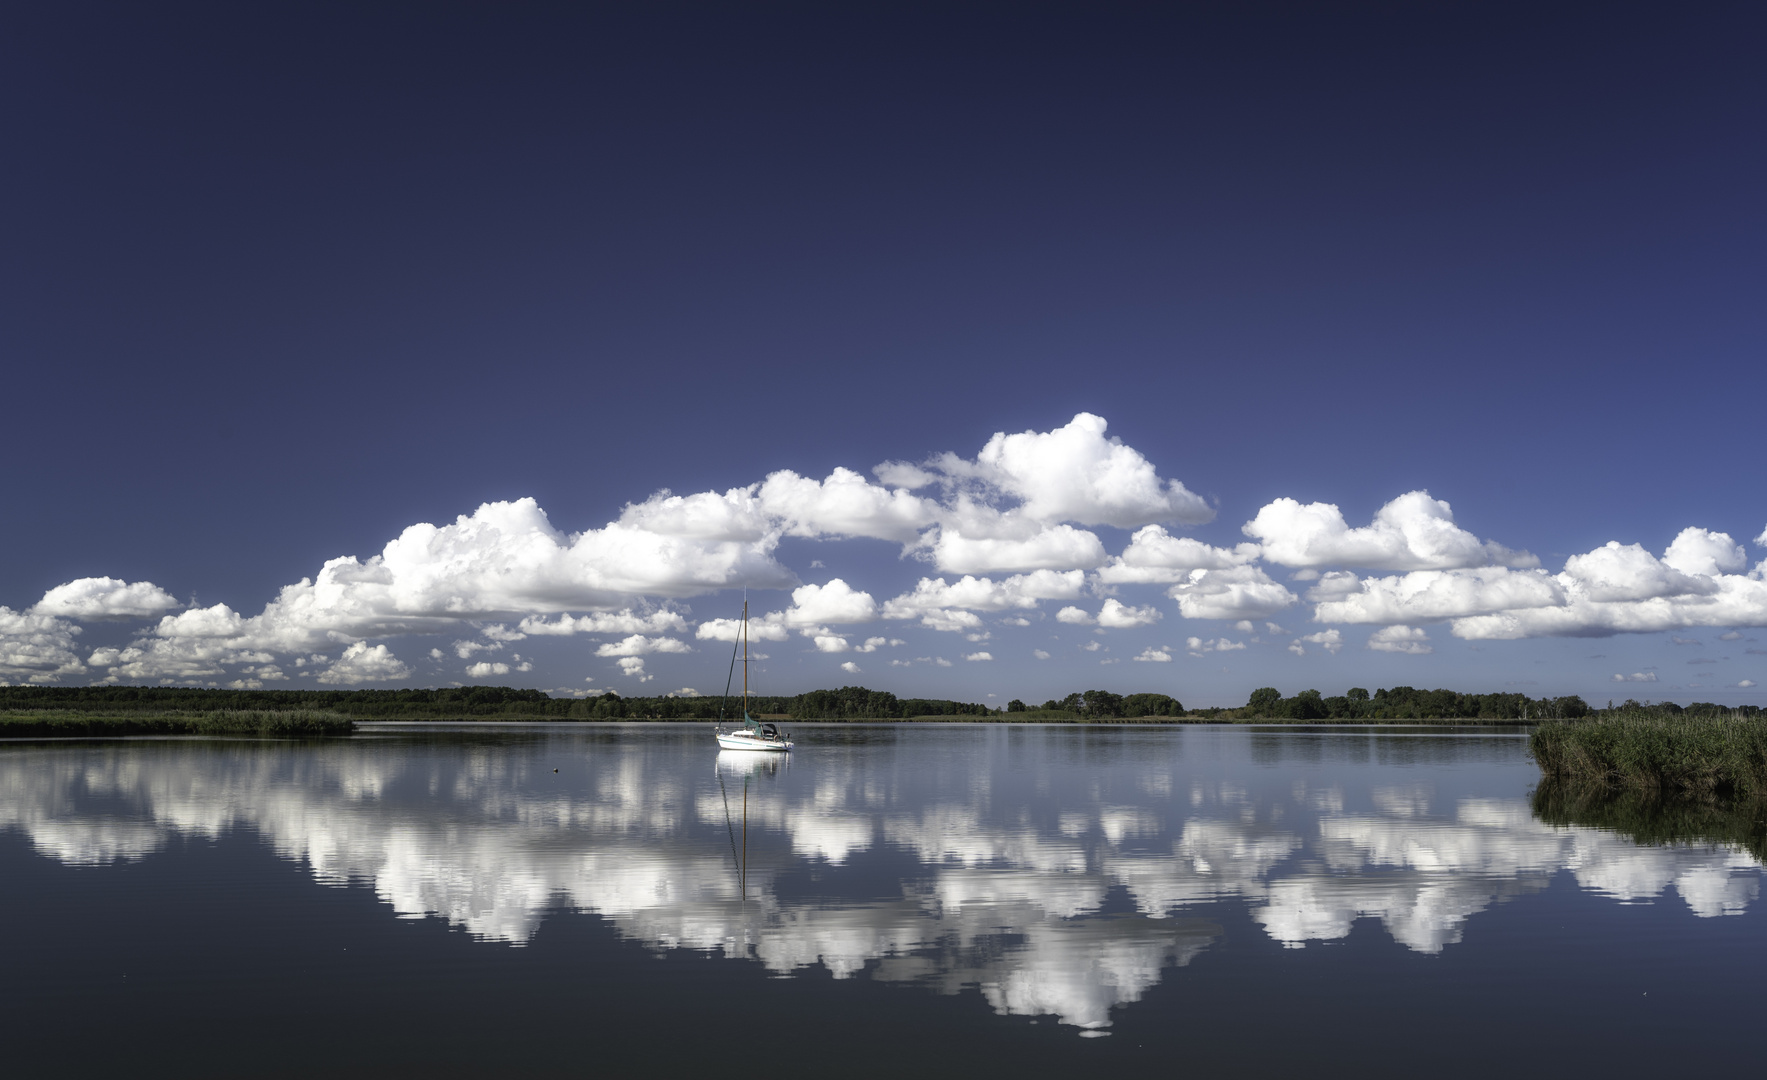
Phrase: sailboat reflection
(740, 764)
(744, 766)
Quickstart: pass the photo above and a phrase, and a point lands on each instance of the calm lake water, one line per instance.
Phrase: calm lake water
(915, 899)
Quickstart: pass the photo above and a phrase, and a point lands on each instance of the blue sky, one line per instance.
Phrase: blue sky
(281, 284)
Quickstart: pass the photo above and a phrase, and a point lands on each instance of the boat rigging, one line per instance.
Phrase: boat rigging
(753, 734)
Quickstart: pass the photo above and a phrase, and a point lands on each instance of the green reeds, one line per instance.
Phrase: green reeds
(59, 723)
(1649, 750)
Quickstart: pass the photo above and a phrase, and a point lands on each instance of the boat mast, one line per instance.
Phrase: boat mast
(745, 659)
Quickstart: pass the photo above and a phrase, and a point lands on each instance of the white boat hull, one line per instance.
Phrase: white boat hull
(742, 740)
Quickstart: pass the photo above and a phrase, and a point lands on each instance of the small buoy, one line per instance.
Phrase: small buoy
(555, 770)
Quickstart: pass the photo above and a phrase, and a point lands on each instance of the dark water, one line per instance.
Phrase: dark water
(917, 900)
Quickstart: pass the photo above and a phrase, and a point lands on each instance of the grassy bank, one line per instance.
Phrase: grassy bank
(1652, 816)
(1656, 751)
(301, 723)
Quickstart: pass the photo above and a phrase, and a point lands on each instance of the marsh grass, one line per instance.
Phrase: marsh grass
(1656, 751)
(1655, 817)
(61, 723)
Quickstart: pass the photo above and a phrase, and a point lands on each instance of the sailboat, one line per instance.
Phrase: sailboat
(753, 734)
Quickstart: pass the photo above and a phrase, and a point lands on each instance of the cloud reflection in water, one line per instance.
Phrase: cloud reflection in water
(1055, 886)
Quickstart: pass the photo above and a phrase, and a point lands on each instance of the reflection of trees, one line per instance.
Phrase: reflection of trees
(1654, 817)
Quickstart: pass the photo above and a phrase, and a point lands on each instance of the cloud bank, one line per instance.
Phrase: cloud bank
(1022, 527)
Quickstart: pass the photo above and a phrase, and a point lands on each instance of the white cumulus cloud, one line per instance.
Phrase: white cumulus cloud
(1400, 639)
(505, 558)
(1156, 656)
(37, 648)
(1413, 532)
(362, 662)
(1076, 473)
(1155, 556)
(1701, 553)
(951, 621)
(768, 628)
(1624, 589)
(618, 622)
(1629, 572)
(1241, 592)
(1198, 646)
(1021, 506)
(105, 598)
(1009, 528)
(835, 602)
(1434, 595)
(1052, 547)
(845, 504)
(639, 645)
(1117, 615)
(1016, 505)
(943, 605)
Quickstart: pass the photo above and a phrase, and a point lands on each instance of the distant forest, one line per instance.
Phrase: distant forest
(846, 703)
(1405, 703)
(482, 702)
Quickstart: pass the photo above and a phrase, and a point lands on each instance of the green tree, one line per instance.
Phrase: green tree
(1101, 703)
(1151, 705)
(1306, 705)
(1265, 701)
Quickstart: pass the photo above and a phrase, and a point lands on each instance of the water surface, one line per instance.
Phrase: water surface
(453, 900)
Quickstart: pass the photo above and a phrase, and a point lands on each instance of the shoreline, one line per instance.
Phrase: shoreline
(68, 723)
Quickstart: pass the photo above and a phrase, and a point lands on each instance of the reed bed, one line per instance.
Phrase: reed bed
(1650, 750)
(61, 723)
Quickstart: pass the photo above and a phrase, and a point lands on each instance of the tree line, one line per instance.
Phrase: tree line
(1408, 703)
(488, 702)
(1402, 703)
(846, 703)
(361, 704)
(1098, 704)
